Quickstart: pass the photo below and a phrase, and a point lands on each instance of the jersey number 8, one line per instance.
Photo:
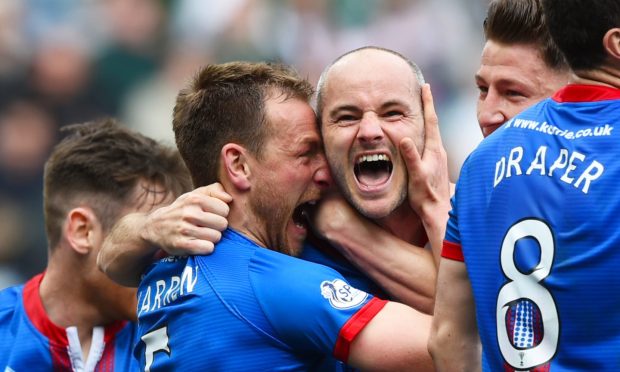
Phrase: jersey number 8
(526, 291)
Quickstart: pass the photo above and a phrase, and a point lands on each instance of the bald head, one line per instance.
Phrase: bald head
(368, 59)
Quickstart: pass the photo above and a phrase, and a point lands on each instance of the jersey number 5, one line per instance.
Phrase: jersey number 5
(527, 317)
(155, 341)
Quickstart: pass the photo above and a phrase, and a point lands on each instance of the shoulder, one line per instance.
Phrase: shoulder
(11, 304)
(278, 265)
(278, 279)
(353, 275)
(306, 303)
(10, 298)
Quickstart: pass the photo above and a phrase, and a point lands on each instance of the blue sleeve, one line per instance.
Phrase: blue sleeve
(452, 229)
(308, 304)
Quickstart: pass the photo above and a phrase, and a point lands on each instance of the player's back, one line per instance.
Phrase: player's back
(537, 207)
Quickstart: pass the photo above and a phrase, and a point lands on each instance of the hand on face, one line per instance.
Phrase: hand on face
(192, 224)
(428, 183)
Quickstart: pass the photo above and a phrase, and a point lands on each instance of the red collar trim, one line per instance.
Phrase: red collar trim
(37, 314)
(112, 329)
(586, 93)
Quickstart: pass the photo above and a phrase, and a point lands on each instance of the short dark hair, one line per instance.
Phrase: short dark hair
(225, 103)
(417, 72)
(100, 163)
(522, 22)
(578, 27)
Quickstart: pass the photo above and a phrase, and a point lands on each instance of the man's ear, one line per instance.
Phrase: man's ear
(611, 43)
(81, 229)
(236, 167)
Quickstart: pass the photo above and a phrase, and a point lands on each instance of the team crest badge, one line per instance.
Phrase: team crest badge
(341, 295)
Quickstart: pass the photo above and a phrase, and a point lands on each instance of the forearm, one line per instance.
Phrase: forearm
(434, 220)
(455, 350)
(454, 343)
(125, 254)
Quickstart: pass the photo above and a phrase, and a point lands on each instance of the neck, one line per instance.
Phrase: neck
(605, 76)
(65, 298)
(406, 225)
(245, 223)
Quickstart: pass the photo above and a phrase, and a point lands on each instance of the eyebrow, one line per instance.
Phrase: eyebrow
(503, 81)
(354, 108)
(393, 102)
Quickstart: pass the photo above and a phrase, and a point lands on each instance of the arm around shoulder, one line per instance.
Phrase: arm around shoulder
(192, 224)
(124, 254)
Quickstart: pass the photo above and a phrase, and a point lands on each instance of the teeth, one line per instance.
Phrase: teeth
(375, 157)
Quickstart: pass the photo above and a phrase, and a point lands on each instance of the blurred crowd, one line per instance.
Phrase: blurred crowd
(69, 61)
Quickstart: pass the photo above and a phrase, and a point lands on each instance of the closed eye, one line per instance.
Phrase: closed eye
(345, 118)
(393, 113)
(514, 93)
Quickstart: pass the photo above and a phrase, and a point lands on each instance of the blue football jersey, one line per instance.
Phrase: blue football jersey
(328, 256)
(246, 307)
(534, 217)
(319, 251)
(30, 341)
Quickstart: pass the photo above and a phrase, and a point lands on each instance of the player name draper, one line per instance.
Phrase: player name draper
(571, 167)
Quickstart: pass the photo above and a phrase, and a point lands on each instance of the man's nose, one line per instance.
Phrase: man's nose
(489, 112)
(370, 129)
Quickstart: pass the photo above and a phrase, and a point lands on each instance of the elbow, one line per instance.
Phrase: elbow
(440, 339)
(433, 344)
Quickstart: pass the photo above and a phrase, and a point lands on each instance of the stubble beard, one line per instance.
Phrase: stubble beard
(269, 212)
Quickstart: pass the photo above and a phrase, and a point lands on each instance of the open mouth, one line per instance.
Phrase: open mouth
(373, 170)
(300, 214)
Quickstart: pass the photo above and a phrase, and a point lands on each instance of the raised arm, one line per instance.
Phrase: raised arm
(192, 224)
(429, 183)
(405, 272)
(454, 342)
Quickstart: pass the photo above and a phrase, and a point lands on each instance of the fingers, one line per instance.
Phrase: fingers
(197, 232)
(209, 201)
(196, 242)
(192, 224)
(215, 190)
(410, 154)
(431, 122)
(207, 220)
